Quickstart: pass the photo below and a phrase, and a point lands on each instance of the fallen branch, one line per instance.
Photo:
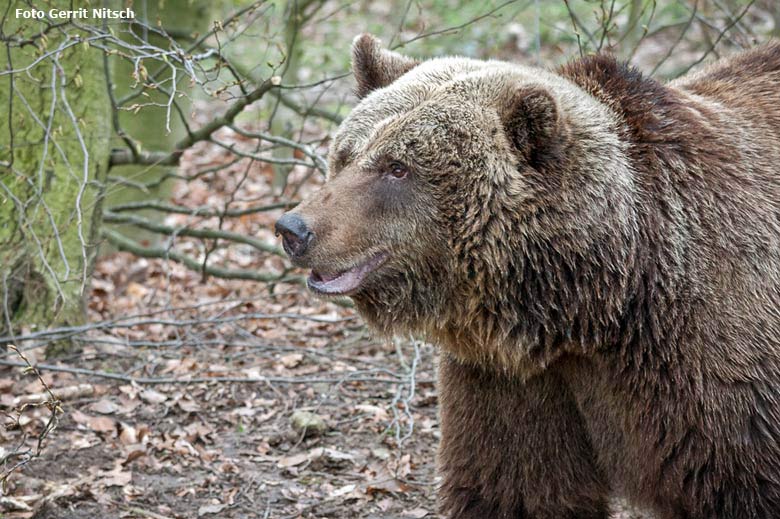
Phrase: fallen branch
(60, 393)
(70, 332)
(354, 376)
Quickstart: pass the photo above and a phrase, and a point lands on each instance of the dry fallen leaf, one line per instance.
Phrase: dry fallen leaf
(116, 477)
(128, 435)
(324, 457)
(96, 423)
(188, 406)
(346, 489)
(211, 509)
(104, 406)
(83, 442)
(291, 461)
(136, 291)
(127, 405)
(379, 413)
(402, 466)
(153, 397)
(184, 448)
(388, 485)
(291, 360)
(134, 455)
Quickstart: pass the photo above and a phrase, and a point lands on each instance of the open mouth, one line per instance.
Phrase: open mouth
(346, 282)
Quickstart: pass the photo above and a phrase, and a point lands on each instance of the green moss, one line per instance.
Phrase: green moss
(46, 242)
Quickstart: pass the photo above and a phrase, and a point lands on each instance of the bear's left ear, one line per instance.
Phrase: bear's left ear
(533, 124)
(375, 67)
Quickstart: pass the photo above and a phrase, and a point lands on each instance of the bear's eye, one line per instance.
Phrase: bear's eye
(397, 170)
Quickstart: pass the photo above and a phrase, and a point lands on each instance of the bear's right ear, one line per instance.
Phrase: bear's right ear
(375, 67)
(533, 124)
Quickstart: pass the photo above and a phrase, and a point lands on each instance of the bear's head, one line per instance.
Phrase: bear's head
(449, 183)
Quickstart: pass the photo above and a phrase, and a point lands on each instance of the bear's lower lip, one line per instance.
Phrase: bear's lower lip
(346, 282)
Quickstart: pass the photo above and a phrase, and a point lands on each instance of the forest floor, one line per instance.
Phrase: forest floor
(223, 448)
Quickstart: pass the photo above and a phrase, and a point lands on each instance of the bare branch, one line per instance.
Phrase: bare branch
(143, 223)
(205, 212)
(126, 244)
(722, 33)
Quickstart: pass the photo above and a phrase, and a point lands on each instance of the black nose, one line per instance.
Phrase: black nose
(295, 234)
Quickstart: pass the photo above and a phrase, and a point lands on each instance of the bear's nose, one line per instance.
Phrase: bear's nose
(296, 236)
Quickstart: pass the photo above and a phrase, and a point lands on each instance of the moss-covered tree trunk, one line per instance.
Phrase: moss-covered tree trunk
(53, 156)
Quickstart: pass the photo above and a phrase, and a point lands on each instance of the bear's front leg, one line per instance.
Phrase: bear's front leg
(513, 449)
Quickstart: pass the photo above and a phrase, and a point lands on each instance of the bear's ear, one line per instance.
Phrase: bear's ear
(375, 67)
(533, 124)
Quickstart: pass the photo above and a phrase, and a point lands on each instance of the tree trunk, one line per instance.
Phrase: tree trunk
(53, 157)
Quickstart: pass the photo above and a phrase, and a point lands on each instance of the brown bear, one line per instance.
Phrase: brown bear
(597, 255)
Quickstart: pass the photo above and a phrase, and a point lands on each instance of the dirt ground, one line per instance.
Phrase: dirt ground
(234, 449)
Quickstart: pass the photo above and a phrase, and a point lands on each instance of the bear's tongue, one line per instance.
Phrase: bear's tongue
(343, 282)
(327, 277)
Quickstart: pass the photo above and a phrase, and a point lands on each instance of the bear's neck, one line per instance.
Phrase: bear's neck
(552, 299)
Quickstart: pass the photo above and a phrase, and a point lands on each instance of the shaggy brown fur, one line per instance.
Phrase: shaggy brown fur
(598, 256)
